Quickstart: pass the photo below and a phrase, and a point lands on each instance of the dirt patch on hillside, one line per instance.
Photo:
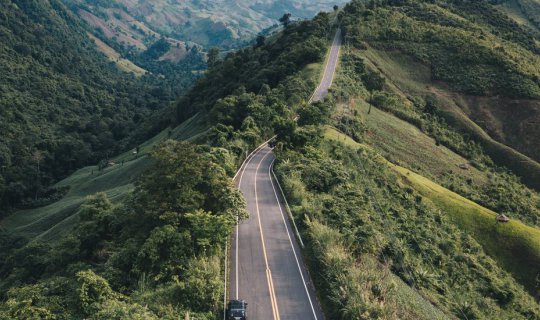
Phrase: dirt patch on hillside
(111, 30)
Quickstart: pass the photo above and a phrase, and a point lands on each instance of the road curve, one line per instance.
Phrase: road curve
(267, 267)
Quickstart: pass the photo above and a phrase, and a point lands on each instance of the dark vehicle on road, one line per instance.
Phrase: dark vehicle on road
(236, 310)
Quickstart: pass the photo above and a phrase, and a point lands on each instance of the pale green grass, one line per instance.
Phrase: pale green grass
(404, 144)
(403, 72)
(51, 221)
(112, 55)
(407, 78)
(416, 305)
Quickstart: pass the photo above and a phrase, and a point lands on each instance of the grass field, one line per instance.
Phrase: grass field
(404, 144)
(514, 245)
(52, 221)
(356, 275)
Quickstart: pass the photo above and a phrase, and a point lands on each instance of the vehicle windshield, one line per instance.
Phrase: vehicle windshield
(237, 308)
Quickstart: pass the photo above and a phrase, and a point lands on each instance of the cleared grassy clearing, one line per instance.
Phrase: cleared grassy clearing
(514, 245)
(404, 144)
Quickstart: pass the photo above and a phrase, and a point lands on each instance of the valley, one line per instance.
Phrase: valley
(399, 143)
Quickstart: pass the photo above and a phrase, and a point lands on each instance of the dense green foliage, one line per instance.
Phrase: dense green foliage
(460, 47)
(161, 247)
(502, 193)
(62, 105)
(530, 9)
(377, 248)
(255, 69)
(168, 79)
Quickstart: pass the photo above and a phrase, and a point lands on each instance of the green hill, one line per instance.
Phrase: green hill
(394, 180)
(221, 23)
(481, 67)
(62, 104)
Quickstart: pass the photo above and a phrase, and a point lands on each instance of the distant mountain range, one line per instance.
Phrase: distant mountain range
(221, 23)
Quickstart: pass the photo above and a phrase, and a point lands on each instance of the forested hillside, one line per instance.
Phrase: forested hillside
(394, 180)
(62, 104)
(524, 12)
(383, 189)
(156, 252)
(483, 67)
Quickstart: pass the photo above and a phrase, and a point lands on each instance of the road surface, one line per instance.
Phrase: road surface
(328, 76)
(267, 268)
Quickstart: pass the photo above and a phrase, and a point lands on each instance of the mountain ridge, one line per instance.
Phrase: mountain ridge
(395, 200)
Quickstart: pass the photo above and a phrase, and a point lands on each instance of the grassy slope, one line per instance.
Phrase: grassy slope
(514, 245)
(115, 57)
(51, 221)
(407, 77)
(403, 143)
(329, 247)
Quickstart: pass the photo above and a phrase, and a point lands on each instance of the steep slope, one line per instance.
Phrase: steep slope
(62, 104)
(524, 12)
(479, 65)
(413, 241)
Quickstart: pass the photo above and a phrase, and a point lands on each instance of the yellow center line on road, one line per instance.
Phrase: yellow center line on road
(271, 290)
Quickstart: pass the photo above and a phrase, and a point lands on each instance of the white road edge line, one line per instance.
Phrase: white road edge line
(250, 156)
(241, 171)
(225, 282)
(336, 61)
(291, 242)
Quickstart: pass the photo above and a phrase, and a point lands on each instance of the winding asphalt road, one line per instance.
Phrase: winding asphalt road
(267, 268)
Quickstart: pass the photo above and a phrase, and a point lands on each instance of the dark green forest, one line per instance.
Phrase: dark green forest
(62, 104)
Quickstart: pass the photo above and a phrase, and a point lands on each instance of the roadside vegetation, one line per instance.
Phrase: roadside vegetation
(390, 233)
(343, 189)
(368, 220)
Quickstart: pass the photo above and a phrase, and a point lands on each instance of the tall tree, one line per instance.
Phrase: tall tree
(286, 19)
(213, 57)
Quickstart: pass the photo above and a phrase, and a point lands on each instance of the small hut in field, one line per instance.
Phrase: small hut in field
(502, 218)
